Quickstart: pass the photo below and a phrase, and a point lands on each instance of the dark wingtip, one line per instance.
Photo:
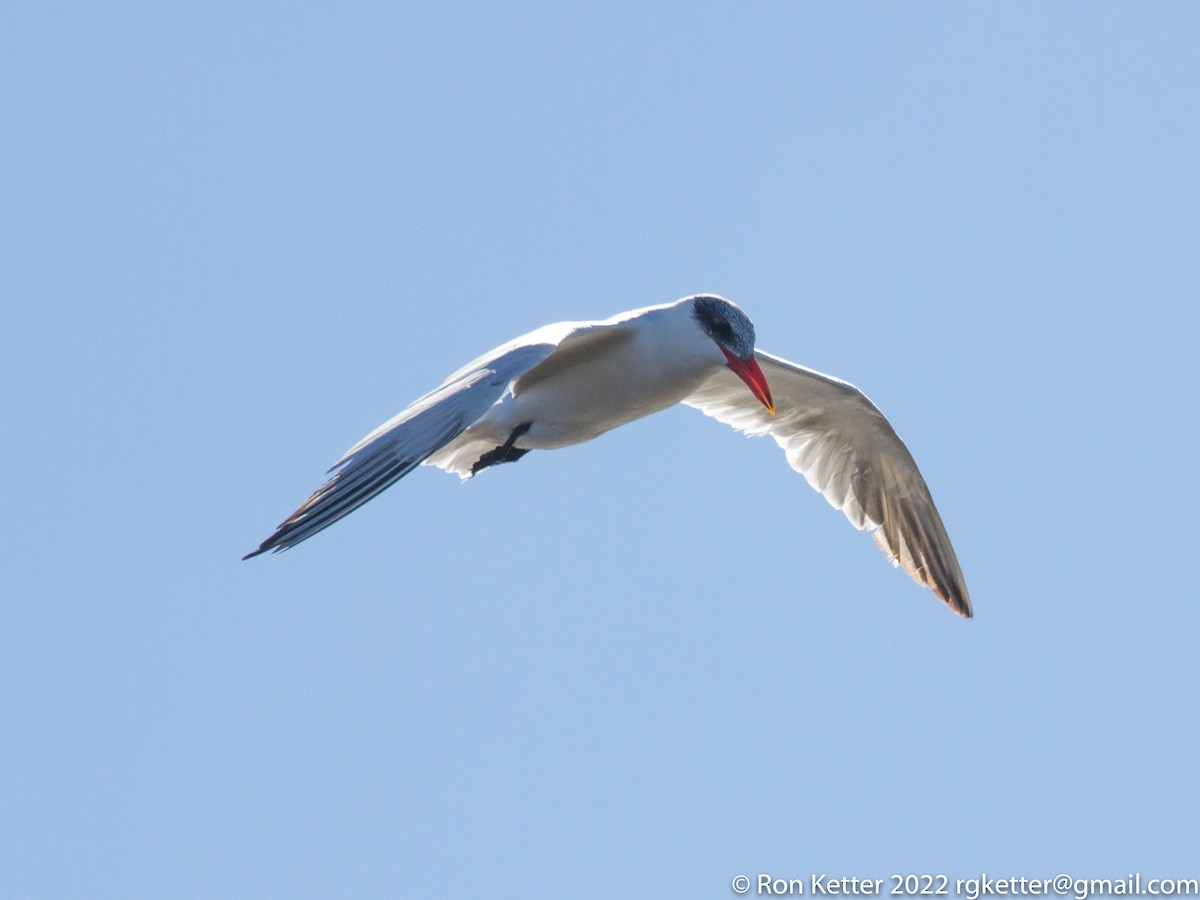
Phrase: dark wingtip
(960, 603)
(253, 553)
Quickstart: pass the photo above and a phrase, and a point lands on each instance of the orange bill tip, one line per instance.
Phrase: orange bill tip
(751, 372)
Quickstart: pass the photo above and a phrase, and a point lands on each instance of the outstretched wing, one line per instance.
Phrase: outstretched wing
(848, 451)
(399, 445)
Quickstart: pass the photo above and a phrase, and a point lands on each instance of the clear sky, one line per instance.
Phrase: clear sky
(237, 237)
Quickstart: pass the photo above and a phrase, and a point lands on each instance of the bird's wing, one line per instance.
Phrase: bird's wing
(399, 445)
(848, 451)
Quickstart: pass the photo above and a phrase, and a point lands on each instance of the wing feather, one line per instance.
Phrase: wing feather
(845, 448)
(401, 444)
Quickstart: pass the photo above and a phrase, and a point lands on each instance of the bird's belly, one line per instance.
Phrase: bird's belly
(588, 400)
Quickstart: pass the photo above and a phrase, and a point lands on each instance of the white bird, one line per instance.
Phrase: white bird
(572, 381)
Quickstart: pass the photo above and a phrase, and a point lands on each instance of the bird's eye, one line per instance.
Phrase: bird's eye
(725, 330)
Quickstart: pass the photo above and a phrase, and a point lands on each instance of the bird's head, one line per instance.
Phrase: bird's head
(733, 333)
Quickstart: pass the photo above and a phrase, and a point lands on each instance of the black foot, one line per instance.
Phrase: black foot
(506, 452)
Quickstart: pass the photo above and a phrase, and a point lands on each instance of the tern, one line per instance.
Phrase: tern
(572, 381)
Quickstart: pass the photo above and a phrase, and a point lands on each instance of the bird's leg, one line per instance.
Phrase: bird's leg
(506, 452)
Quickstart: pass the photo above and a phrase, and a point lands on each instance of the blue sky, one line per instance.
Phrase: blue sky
(237, 237)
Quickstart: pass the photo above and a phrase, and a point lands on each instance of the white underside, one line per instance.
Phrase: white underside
(588, 394)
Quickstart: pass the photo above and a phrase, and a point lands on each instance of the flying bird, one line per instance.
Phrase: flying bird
(572, 381)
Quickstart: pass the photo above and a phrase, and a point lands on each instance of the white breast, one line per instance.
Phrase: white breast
(604, 377)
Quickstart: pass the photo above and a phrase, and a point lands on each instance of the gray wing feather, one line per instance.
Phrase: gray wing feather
(846, 449)
(401, 444)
